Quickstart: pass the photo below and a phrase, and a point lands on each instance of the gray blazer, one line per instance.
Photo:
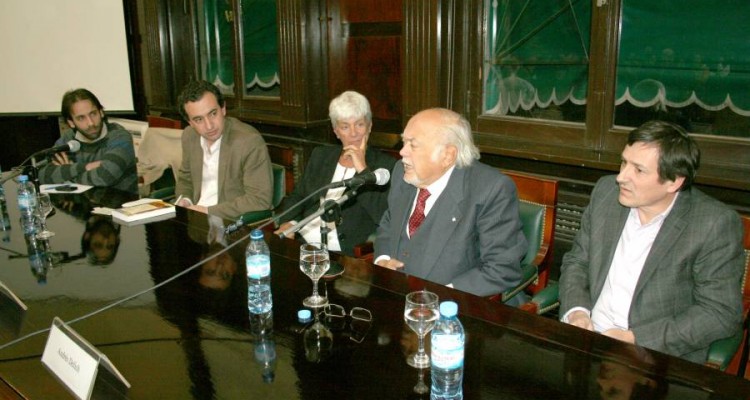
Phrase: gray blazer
(689, 292)
(471, 237)
(245, 178)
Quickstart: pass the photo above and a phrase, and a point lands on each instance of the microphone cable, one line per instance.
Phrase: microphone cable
(128, 298)
(166, 281)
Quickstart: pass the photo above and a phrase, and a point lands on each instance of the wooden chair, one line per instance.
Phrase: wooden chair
(285, 157)
(537, 205)
(729, 355)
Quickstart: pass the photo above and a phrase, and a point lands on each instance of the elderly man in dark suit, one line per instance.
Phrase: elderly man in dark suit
(656, 262)
(450, 219)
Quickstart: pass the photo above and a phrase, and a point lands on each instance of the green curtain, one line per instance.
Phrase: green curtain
(680, 52)
(260, 44)
(219, 52)
(672, 53)
(537, 54)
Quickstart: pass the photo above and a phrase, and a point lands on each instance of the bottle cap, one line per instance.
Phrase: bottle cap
(23, 178)
(256, 234)
(304, 316)
(448, 308)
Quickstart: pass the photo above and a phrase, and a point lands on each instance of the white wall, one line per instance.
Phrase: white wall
(51, 46)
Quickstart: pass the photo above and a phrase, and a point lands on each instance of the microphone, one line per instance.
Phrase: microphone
(72, 146)
(379, 177)
(327, 207)
(246, 219)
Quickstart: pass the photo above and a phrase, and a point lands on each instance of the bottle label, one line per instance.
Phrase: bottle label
(258, 266)
(26, 202)
(447, 351)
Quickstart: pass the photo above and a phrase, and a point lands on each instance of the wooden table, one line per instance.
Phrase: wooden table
(194, 338)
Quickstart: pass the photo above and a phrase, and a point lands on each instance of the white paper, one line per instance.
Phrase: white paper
(51, 188)
(75, 367)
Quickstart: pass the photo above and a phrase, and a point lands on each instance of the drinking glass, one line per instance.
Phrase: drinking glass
(421, 314)
(313, 261)
(45, 207)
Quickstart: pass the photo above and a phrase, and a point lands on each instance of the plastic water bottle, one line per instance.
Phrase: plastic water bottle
(447, 356)
(26, 196)
(5, 219)
(258, 261)
(264, 348)
(39, 259)
(27, 204)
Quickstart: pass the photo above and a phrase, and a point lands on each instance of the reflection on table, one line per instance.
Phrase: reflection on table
(193, 337)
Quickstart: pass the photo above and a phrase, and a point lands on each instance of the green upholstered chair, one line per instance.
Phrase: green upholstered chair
(537, 207)
(729, 354)
(279, 191)
(532, 222)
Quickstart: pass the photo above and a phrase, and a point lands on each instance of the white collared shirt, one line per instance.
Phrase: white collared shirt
(436, 189)
(210, 178)
(311, 231)
(612, 308)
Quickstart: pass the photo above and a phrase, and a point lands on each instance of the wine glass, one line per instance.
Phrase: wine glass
(313, 262)
(45, 207)
(421, 314)
(318, 341)
(421, 387)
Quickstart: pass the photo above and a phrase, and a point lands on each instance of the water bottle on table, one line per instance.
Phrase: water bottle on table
(5, 221)
(258, 261)
(447, 360)
(27, 206)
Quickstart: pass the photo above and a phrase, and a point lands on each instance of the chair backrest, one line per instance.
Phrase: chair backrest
(287, 158)
(537, 207)
(162, 122)
(746, 276)
(731, 354)
(159, 151)
(279, 184)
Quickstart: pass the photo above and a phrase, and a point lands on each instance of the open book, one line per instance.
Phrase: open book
(144, 209)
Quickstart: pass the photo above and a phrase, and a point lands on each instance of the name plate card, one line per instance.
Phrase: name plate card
(74, 361)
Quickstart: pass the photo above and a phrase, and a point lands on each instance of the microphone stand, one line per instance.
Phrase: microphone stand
(329, 211)
(333, 215)
(33, 173)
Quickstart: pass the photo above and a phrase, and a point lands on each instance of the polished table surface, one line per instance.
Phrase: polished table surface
(193, 337)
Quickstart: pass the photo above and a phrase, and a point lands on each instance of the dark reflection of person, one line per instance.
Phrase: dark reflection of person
(630, 378)
(101, 236)
(210, 291)
(100, 240)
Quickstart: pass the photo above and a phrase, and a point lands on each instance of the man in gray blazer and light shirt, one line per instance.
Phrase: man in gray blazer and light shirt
(656, 262)
(470, 235)
(225, 170)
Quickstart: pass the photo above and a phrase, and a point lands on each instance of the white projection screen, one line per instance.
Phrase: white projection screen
(51, 46)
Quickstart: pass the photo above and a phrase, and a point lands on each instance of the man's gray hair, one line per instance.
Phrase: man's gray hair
(349, 104)
(456, 131)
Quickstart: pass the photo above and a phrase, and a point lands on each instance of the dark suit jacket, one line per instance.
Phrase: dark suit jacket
(689, 292)
(359, 216)
(245, 179)
(475, 237)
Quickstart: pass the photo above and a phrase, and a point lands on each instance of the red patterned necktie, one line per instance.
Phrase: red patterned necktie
(418, 215)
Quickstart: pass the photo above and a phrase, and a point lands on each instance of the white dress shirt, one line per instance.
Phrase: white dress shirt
(311, 231)
(436, 189)
(612, 308)
(210, 178)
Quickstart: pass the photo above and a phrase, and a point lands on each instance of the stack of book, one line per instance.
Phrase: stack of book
(143, 211)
